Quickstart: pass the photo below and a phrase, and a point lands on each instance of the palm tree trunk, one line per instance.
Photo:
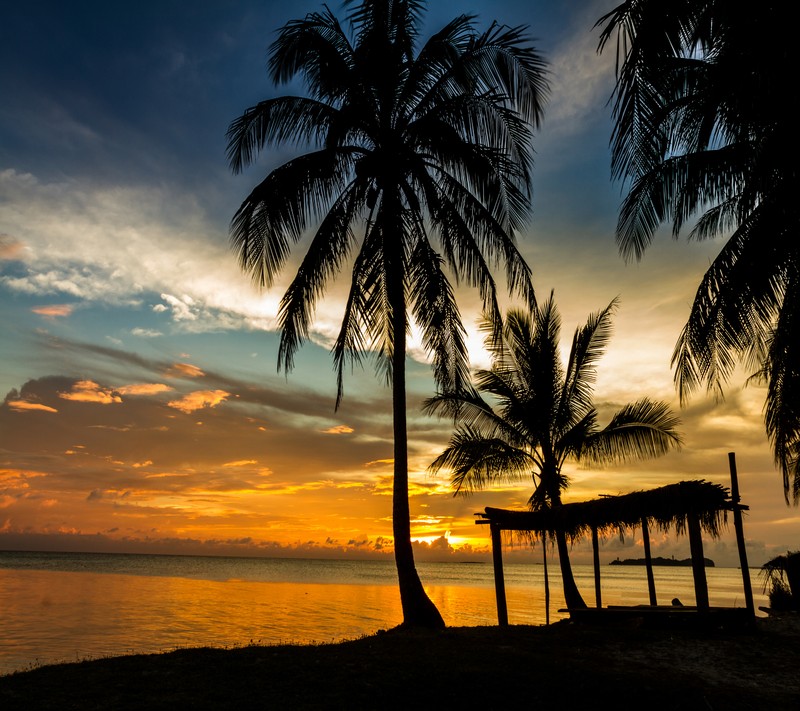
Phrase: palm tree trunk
(572, 596)
(418, 608)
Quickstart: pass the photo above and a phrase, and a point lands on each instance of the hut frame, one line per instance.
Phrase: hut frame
(688, 506)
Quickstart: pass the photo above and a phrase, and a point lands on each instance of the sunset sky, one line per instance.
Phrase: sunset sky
(141, 405)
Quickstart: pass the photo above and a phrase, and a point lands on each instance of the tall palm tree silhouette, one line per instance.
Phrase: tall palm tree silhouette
(404, 149)
(539, 415)
(706, 126)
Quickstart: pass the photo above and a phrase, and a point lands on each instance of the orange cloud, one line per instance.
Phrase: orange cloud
(339, 429)
(10, 248)
(384, 486)
(54, 310)
(199, 399)
(22, 405)
(376, 462)
(89, 391)
(240, 463)
(17, 478)
(143, 389)
(185, 370)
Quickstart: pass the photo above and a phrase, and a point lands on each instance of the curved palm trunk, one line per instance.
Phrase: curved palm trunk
(418, 609)
(572, 596)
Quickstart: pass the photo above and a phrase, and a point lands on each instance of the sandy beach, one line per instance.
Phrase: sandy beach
(572, 665)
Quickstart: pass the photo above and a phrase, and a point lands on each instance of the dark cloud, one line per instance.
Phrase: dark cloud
(280, 394)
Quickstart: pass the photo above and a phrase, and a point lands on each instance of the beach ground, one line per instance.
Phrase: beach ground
(566, 665)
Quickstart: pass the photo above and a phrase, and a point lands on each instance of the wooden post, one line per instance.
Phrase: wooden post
(546, 580)
(648, 562)
(698, 562)
(739, 526)
(596, 558)
(499, 580)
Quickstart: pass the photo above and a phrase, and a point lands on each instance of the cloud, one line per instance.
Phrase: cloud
(339, 429)
(114, 245)
(199, 400)
(107, 494)
(582, 81)
(240, 463)
(184, 370)
(183, 308)
(70, 280)
(23, 405)
(54, 311)
(144, 389)
(89, 391)
(146, 332)
(118, 246)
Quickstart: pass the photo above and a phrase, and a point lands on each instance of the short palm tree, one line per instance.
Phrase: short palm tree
(539, 415)
(705, 128)
(403, 148)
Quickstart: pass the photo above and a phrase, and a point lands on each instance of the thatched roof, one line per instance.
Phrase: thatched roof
(663, 508)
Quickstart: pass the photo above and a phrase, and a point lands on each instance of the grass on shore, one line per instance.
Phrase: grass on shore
(567, 665)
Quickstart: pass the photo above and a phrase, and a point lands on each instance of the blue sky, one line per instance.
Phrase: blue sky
(142, 406)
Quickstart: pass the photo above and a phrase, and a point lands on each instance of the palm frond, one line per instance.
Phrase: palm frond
(279, 209)
(641, 430)
(781, 372)
(503, 57)
(365, 311)
(436, 313)
(318, 48)
(735, 306)
(475, 462)
(473, 241)
(701, 129)
(287, 119)
(588, 345)
(327, 252)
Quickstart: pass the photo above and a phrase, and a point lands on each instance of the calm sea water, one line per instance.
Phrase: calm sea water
(57, 607)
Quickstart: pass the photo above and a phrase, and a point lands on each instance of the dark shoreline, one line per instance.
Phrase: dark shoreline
(567, 665)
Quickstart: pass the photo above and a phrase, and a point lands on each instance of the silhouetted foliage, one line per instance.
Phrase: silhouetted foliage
(782, 581)
(407, 146)
(706, 128)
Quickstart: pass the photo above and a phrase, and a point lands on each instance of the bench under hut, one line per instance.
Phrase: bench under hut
(690, 507)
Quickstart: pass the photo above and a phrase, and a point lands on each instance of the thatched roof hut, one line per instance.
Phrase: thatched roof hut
(688, 506)
(663, 508)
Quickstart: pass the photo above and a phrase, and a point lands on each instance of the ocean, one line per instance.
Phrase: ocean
(65, 607)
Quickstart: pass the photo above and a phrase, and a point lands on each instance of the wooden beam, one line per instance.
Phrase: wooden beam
(698, 561)
(648, 562)
(739, 527)
(546, 580)
(596, 558)
(499, 579)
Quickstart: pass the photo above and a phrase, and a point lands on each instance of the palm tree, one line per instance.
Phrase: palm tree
(705, 127)
(540, 415)
(403, 148)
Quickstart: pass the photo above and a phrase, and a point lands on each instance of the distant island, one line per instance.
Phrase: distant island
(661, 561)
